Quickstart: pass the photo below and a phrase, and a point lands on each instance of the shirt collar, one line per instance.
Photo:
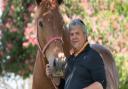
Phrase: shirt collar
(81, 49)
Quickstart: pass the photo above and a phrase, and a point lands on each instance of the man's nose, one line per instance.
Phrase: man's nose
(74, 36)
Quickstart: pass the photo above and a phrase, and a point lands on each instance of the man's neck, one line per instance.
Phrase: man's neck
(81, 49)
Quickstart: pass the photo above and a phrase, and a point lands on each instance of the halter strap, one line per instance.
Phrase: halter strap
(48, 43)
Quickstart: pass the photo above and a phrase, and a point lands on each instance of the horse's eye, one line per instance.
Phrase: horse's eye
(41, 23)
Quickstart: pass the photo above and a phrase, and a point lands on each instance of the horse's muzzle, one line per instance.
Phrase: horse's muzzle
(59, 67)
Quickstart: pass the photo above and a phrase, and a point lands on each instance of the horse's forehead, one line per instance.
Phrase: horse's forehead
(49, 13)
(42, 8)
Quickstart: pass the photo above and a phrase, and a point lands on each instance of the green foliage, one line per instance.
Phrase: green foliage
(73, 7)
(122, 64)
(16, 58)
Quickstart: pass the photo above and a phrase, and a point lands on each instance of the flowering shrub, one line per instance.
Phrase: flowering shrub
(18, 37)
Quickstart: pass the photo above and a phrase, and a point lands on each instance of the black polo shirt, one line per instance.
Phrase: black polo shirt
(84, 69)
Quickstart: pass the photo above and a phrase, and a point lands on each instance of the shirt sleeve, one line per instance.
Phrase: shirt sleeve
(96, 68)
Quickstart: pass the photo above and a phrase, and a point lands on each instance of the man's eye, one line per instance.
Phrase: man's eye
(71, 34)
(77, 33)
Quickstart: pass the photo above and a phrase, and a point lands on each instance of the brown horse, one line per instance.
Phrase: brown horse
(50, 33)
(53, 39)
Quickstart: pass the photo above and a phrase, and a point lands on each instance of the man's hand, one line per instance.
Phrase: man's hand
(49, 70)
(95, 85)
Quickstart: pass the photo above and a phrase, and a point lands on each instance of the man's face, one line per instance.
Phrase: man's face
(77, 37)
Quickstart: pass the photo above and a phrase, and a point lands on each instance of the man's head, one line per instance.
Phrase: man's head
(77, 33)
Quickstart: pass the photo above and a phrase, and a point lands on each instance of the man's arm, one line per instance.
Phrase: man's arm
(95, 85)
(97, 71)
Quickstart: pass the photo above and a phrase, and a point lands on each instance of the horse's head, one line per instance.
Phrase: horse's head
(50, 29)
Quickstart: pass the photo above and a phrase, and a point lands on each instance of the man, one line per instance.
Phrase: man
(84, 68)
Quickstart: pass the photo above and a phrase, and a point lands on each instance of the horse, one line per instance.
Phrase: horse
(53, 39)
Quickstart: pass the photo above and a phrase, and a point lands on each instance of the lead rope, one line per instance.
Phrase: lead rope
(44, 61)
(53, 83)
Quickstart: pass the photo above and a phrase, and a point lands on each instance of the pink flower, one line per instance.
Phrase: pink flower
(31, 8)
(90, 11)
(12, 9)
(121, 17)
(85, 4)
(84, 1)
(116, 25)
(104, 25)
(30, 35)
(112, 7)
(33, 41)
(25, 44)
(1, 53)
(13, 30)
(9, 46)
(94, 27)
(3, 7)
(4, 4)
(8, 25)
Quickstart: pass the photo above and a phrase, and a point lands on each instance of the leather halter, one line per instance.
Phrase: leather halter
(51, 40)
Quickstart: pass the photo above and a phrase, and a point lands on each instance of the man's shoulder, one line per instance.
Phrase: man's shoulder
(91, 52)
(93, 55)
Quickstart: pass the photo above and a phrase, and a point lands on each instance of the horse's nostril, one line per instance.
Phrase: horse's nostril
(40, 23)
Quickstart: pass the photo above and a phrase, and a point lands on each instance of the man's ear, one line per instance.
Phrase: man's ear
(38, 2)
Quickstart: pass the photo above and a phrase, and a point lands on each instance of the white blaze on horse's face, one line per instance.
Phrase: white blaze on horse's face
(55, 52)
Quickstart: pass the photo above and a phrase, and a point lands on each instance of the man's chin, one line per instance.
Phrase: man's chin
(76, 47)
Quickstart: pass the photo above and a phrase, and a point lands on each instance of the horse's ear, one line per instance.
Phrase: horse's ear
(38, 2)
(56, 1)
